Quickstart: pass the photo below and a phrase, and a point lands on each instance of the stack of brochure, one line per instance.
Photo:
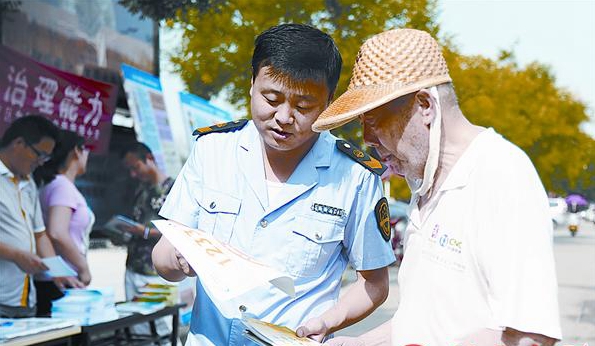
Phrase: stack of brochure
(87, 306)
(157, 293)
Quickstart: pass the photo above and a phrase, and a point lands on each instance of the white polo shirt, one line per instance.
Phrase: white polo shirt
(481, 256)
(20, 218)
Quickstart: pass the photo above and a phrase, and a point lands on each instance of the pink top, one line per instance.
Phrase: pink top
(62, 192)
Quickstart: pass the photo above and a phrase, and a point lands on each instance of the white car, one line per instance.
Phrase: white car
(558, 211)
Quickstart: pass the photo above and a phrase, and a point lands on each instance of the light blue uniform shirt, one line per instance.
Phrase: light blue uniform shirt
(222, 190)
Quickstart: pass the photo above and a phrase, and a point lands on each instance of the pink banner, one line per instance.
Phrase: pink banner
(72, 102)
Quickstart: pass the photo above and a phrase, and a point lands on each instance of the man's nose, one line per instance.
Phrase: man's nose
(284, 114)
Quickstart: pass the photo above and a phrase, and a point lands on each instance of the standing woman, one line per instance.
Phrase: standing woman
(67, 217)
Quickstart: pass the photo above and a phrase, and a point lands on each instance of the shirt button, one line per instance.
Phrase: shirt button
(264, 223)
(318, 236)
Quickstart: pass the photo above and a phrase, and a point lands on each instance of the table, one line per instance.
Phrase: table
(119, 330)
(61, 336)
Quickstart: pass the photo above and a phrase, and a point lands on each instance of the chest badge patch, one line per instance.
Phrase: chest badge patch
(383, 218)
(327, 209)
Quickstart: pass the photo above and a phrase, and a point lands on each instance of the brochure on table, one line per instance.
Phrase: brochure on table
(11, 328)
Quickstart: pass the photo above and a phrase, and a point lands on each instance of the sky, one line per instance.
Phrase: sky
(560, 34)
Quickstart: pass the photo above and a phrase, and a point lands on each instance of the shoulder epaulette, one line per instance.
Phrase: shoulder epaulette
(360, 157)
(222, 127)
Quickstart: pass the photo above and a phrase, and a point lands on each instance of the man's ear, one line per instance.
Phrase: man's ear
(427, 106)
(149, 156)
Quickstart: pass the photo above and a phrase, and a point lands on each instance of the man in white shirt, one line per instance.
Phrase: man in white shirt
(27, 143)
(478, 266)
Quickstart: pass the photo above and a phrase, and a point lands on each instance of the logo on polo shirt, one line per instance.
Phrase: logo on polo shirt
(445, 240)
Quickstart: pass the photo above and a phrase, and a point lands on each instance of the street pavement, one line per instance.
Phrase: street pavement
(575, 263)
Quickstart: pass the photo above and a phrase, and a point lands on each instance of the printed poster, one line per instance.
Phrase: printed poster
(200, 113)
(147, 106)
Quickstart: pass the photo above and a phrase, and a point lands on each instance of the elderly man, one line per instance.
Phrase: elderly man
(478, 266)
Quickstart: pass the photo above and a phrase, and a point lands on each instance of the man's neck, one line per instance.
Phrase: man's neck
(157, 177)
(280, 165)
(457, 135)
(5, 157)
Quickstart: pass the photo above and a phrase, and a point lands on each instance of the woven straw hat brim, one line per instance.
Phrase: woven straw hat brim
(357, 101)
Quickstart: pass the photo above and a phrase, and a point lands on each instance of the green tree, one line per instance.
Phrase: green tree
(525, 105)
(218, 42)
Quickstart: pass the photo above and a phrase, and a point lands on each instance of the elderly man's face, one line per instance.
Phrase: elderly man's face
(398, 134)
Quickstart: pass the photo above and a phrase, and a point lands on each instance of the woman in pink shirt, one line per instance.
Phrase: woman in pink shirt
(67, 217)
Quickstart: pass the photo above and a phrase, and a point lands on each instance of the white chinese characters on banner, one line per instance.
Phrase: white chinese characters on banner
(69, 106)
(95, 114)
(44, 95)
(16, 93)
(15, 96)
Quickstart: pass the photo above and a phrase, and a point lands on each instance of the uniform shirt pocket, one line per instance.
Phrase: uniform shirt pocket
(217, 213)
(313, 243)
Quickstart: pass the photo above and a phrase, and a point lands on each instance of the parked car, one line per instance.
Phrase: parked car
(558, 210)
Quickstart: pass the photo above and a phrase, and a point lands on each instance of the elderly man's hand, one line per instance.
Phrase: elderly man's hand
(344, 341)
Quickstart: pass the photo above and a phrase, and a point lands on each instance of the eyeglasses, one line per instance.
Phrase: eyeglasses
(41, 156)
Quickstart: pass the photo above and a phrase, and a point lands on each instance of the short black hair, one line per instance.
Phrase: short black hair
(300, 52)
(32, 128)
(139, 149)
(67, 142)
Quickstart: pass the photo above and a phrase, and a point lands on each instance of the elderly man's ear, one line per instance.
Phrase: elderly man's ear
(427, 105)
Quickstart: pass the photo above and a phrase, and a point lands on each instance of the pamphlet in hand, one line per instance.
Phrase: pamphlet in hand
(116, 228)
(57, 267)
(224, 271)
(120, 222)
(268, 334)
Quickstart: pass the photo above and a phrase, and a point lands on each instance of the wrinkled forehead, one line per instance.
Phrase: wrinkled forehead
(397, 107)
(296, 83)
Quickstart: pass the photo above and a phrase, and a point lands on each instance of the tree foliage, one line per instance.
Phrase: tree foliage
(218, 42)
(522, 103)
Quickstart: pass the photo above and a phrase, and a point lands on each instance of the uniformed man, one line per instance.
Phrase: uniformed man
(302, 202)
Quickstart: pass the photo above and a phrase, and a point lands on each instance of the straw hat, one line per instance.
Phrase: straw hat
(388, 65)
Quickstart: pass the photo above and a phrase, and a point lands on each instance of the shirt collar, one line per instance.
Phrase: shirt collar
(320, 152)
(459, 175)
(5, 171)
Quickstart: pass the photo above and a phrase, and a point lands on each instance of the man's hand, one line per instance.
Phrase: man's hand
(344, 341)
(29, 263)
(85, 277)
(138, 230)
(314, 328)
(68, 282)
(184, 265)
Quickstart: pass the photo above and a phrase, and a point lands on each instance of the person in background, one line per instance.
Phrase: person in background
(27, 143)
(306, 204)
(149, 197)
(478, 267)
(67, 216)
